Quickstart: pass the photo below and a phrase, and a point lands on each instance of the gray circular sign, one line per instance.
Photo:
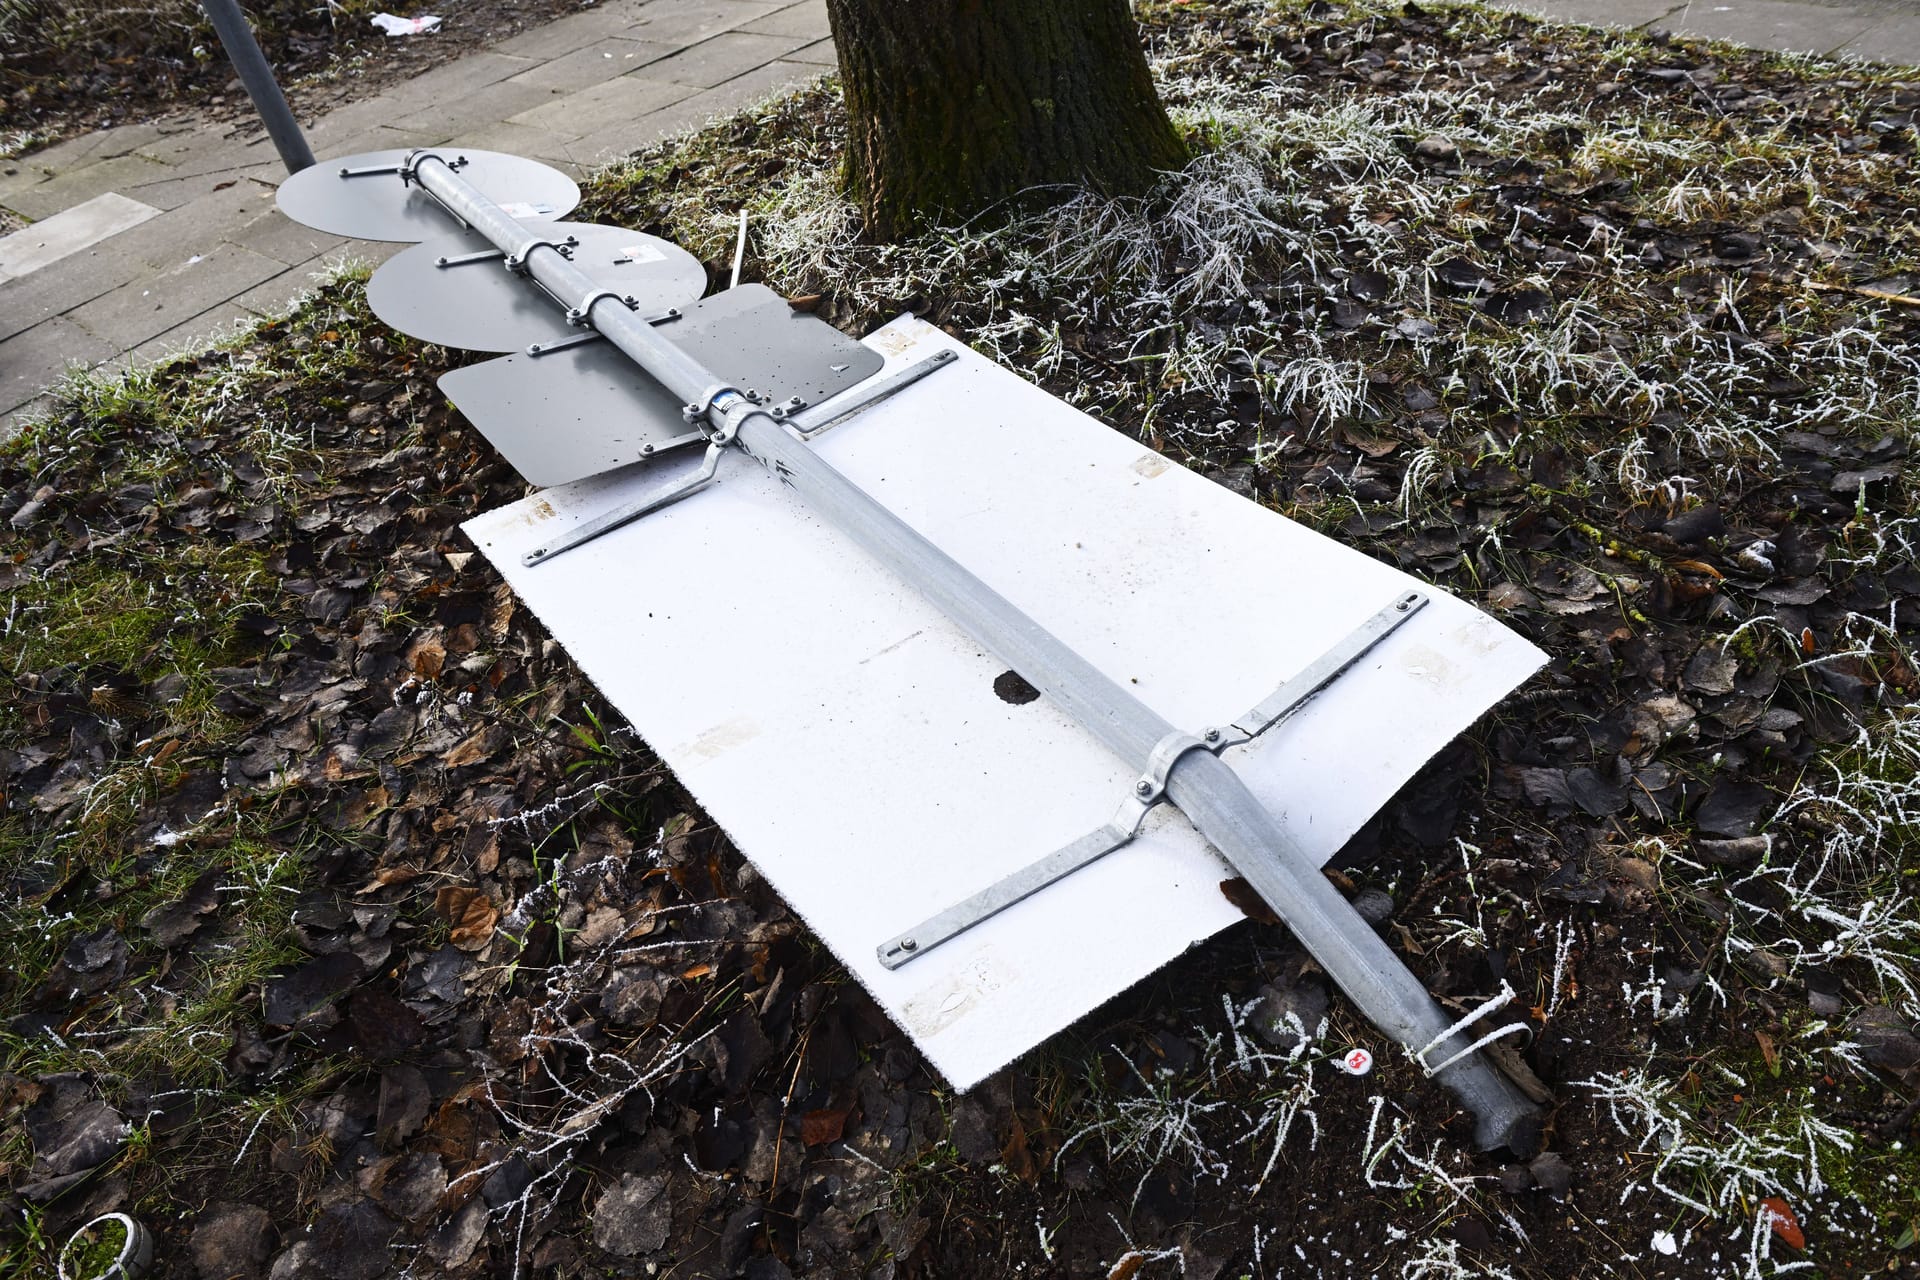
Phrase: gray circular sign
(428, 291)
(370, 203)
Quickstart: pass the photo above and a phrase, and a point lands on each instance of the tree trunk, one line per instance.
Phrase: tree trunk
(956, 104)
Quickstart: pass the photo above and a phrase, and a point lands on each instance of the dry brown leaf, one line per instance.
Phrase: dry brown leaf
(823, 1126)
(1780, 1217)
(1248, 899)
(472, 914)
(386, 876)
(429, 657)
(475, 747)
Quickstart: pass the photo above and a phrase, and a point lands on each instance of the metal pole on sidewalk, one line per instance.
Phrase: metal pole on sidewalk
(257, 78)
(1206, 789)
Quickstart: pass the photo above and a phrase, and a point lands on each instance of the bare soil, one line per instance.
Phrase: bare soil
(123, 70)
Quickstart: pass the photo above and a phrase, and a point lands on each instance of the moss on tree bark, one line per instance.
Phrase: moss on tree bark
(955, 105)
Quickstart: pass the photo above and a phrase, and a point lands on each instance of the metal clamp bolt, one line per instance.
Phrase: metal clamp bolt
(578, 315)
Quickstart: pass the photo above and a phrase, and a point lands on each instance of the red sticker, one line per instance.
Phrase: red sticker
(1357, 1062)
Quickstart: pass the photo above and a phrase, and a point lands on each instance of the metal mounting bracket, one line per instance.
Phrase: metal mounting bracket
(1150, 790)
(807, 423)
(465, 259)
(814, 419)
(404, 168)
(594, 528)
(592, 335)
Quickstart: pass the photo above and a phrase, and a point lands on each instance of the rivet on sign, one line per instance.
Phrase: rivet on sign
(1356, 1062)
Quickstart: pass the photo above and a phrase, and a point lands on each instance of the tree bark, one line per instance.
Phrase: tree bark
(955, 105)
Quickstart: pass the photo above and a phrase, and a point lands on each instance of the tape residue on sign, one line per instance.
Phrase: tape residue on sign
(850, 738)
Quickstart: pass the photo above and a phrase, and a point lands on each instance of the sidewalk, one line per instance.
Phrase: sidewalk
(150, 238)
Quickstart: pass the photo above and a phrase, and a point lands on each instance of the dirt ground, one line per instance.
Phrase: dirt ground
(352, 934)
(99, 65)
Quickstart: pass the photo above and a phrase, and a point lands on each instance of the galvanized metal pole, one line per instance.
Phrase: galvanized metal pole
(1206, 789)
(257, 78)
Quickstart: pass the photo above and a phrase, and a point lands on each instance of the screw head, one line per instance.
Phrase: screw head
(1213, 735)
(908, 944)
(1143, 787)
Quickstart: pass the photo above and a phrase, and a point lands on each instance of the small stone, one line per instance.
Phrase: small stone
(1436, 147)
(1514, 1179)
(973, 1133)
(1885, 1038)
(1288, 1015)
(633, 1217)
(1373, 905)
(232, 1242)
(1552, 1172)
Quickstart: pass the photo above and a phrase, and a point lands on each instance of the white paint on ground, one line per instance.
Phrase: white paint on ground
(68, 232)
(874, 782)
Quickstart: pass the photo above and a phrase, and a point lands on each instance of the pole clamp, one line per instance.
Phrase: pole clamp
(579, 315)
(408, 167)
(699, 412)
(517, 261)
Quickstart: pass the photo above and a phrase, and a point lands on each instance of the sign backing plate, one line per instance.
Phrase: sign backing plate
(849, 738)
(377, 207)
(578, 411)
(482, 306)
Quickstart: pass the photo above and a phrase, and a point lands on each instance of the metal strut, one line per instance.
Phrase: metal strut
(1206, 789)
(1124, 825)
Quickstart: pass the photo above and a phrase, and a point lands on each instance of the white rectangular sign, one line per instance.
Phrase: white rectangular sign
(849, 737)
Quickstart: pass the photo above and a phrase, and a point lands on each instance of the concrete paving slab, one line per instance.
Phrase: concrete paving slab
(809, 19)
(70, 231)
(14, 421)
(42, 355)
(523, 140)
(820, 53)
(598, 62)
(1771, 24)
(617, 140)
(189, 155)
(275, 296)
(487, 106)
(71, 188)
(575, 31)
(1896, 41)
(725, 56)
(215, 325)
(685, 22)
(172, 193)
(106, 144)
(153, 304)
(605, 106)
(17, 176)
(458, 79)
(83, 277)
(272, 234)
